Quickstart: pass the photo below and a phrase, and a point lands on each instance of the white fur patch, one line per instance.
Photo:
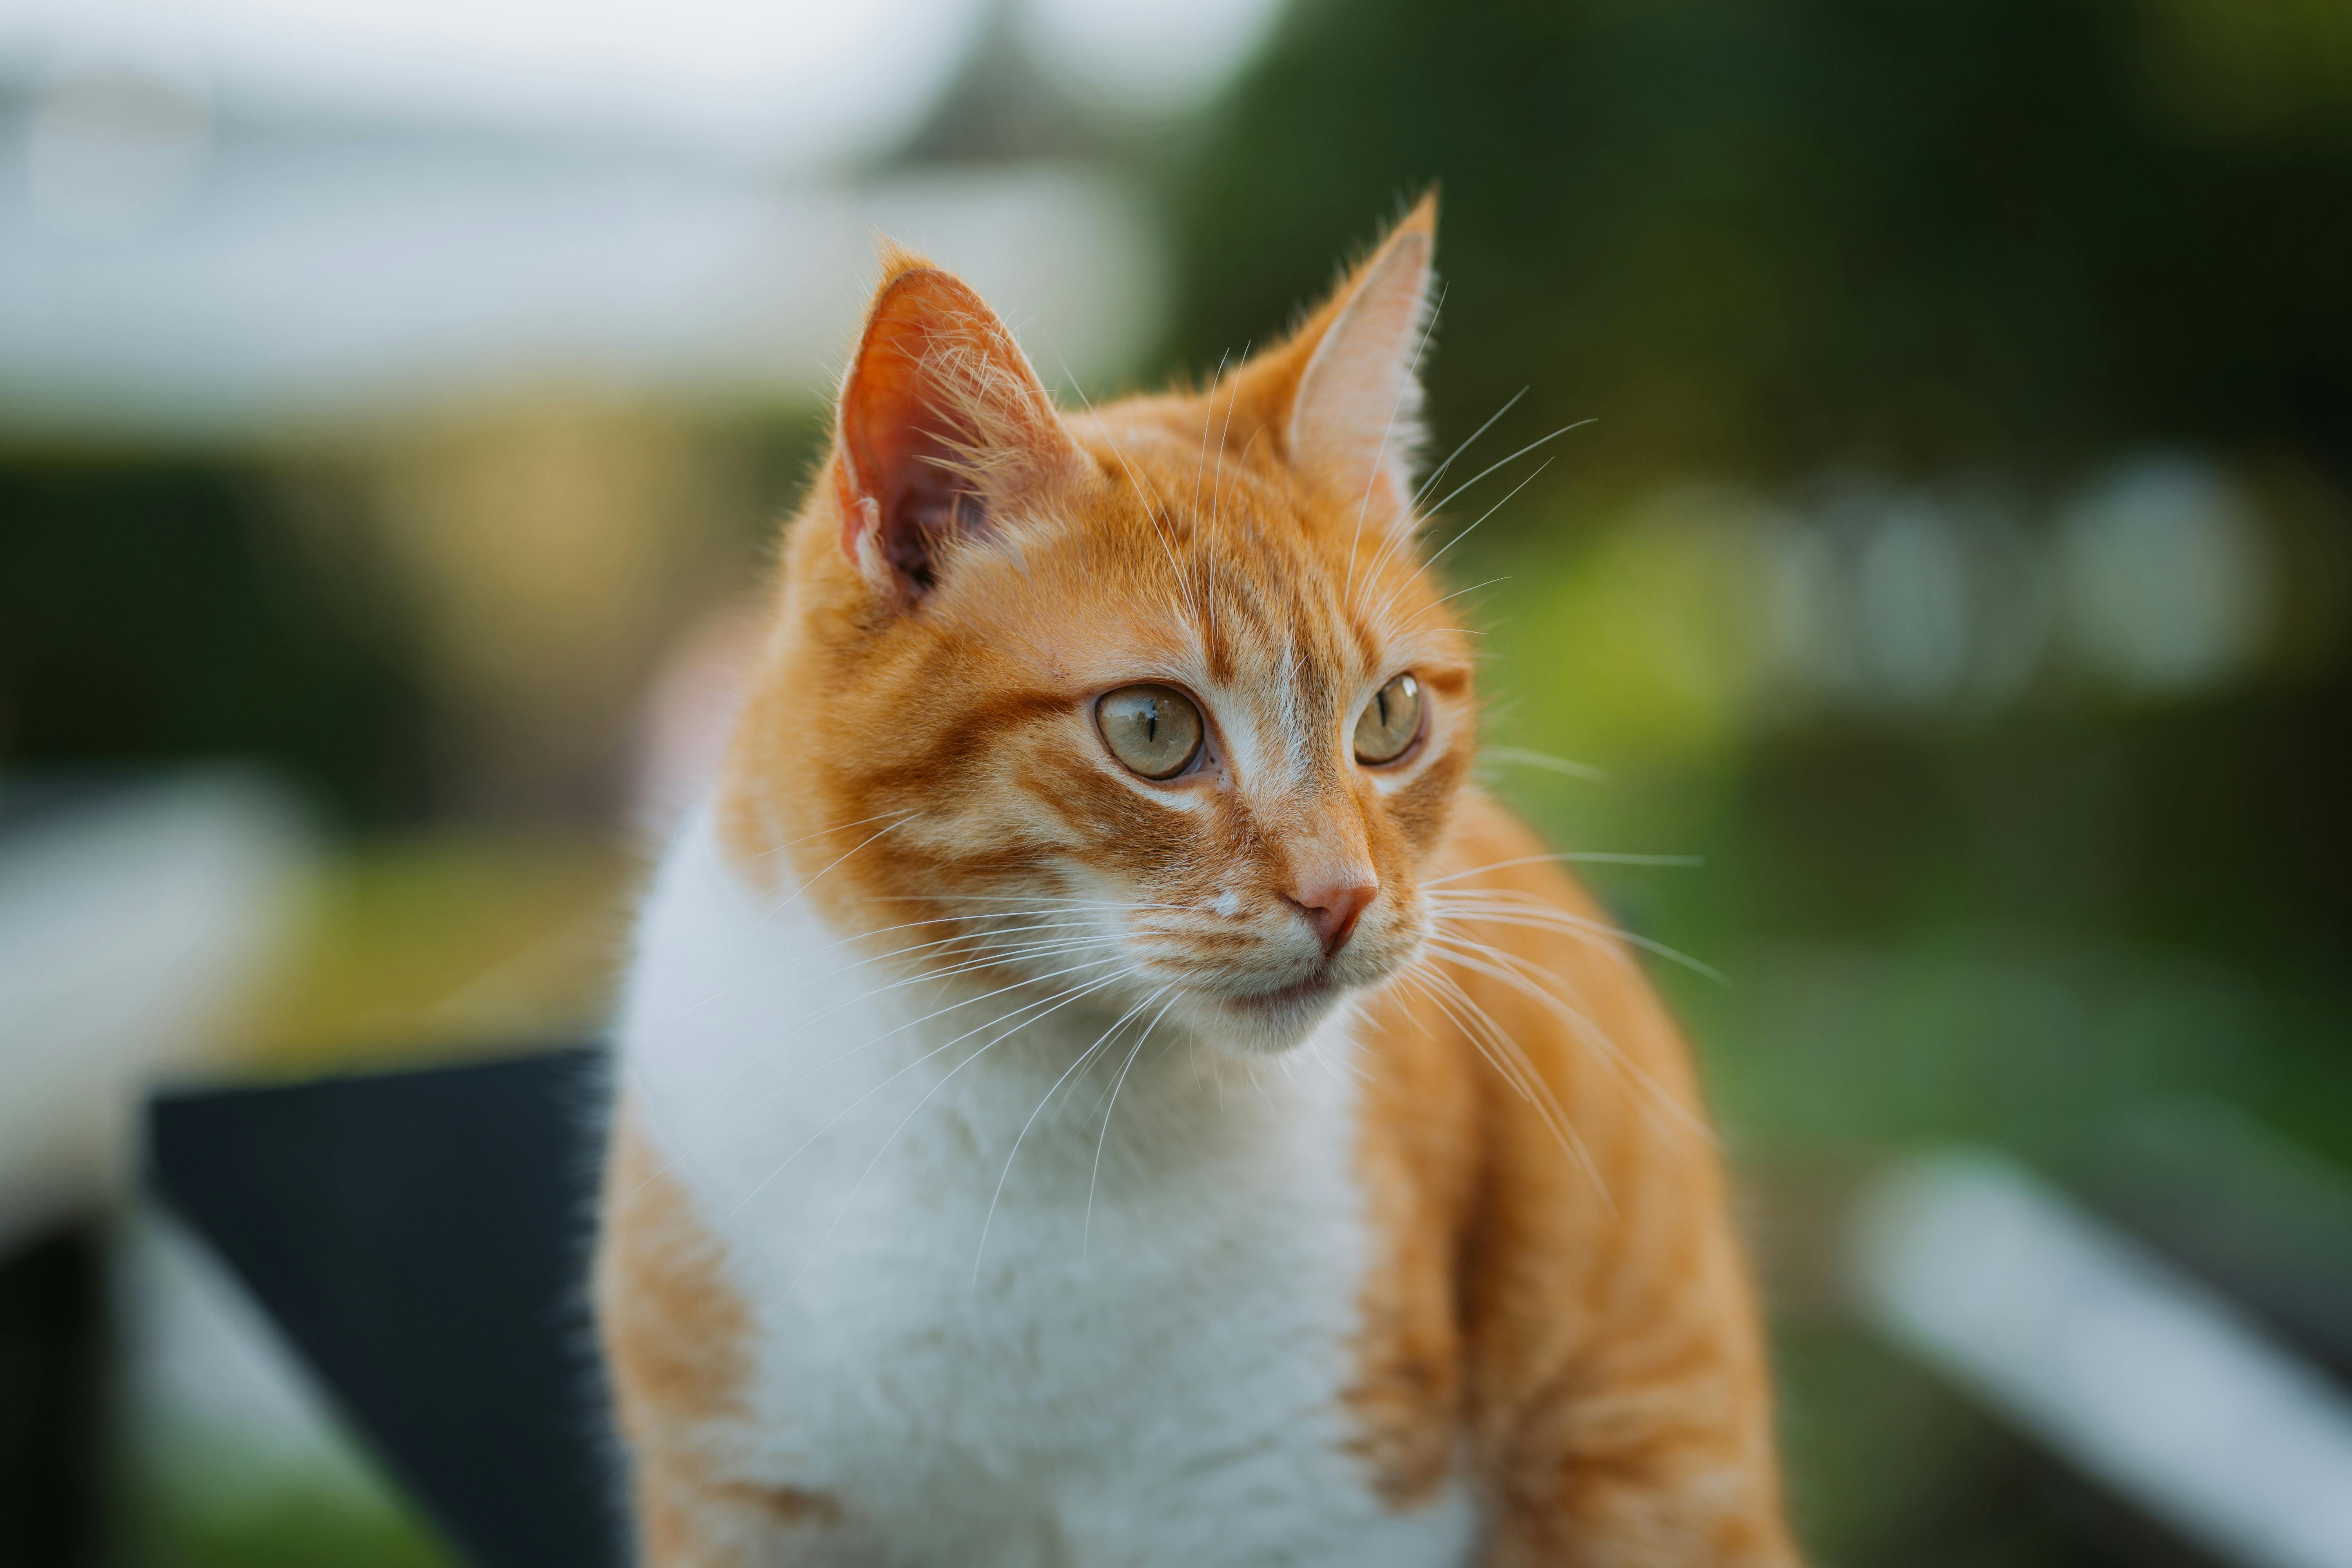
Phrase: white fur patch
(1144, 1365)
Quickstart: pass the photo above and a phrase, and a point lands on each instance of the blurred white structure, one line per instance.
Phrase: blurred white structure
(798, 81)
(2135, 1374)
(2167, 583)
(2155, 583)
(316, 276)
(220, 218)
(1697, 612)
(784, 84)
(129, 926)
(1150, 56)
(222, 1409)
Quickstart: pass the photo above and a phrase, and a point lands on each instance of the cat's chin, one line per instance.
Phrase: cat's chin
(1272, 1021)
(1269, 1023)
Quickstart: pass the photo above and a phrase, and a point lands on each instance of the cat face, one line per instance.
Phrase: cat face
(1152, 706)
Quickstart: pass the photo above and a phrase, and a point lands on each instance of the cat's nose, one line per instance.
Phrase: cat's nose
(1332, 904)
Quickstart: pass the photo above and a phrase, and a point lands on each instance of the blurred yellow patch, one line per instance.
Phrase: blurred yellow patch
(1652, 645)
(2251, 67)
(432, 945)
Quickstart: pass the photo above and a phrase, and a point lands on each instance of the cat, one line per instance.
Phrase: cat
(1098, 1083)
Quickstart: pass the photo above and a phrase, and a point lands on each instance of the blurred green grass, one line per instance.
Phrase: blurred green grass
(292, 1526)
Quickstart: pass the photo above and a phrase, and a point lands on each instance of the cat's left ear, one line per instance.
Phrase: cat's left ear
(941, 423)
(1346, 390)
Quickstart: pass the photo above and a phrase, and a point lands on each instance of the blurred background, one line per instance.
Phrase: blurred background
(398, 396)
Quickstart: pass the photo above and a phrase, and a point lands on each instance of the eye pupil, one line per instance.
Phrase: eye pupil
(1391, 721)
(1154, 731)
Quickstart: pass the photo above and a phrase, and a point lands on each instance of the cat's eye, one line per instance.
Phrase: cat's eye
(1390, 723)
(1154, 729)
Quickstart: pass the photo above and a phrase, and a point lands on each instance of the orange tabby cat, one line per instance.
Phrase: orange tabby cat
(1100, 1084)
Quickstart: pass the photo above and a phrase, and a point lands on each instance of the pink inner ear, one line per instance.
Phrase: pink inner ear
(1358, 417)
(890, 432)
(937, 381)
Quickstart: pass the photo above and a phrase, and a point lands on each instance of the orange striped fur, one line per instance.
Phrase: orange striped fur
(1552, 1324)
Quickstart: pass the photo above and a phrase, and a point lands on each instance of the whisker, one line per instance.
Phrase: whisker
(725, 991)
(1468, 952)
(837, 827)
(1083, 1058)
(802, 890)
(1087, 1232)
(1066, 998)
(1455, 594)
(736, 1076)
(1601, 856)
(1438, 473)
(1518, 1071)
(803, 957)
(1488, 1038)
(1537, 913)
(1458, 538)
(763, 1099)
(1008, 898)
(983, 1050)
(1526, 759)
(1200, 465)
(1514, 457)
(1335, 1061)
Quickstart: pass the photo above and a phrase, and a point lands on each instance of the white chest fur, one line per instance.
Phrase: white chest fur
(1126, 1346)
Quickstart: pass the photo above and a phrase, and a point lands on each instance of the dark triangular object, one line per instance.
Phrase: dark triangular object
(423, 1237)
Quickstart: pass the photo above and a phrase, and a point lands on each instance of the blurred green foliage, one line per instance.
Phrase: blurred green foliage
(1760, 243)
(292, 1526)
(1758, 237)
(154, 608)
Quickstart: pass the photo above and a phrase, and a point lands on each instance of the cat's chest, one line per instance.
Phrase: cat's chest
(948, 1291)
(1018, 1245)
(991, 1274)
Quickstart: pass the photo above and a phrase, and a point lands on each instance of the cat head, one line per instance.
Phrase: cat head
(1155, 699)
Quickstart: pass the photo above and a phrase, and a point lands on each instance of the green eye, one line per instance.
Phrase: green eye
(1391, 721)
(1154, 729)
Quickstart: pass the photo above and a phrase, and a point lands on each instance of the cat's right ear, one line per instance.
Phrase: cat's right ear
(1342, 397)
(942, 421)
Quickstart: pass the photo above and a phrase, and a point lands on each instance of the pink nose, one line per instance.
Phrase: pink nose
(1332, 906)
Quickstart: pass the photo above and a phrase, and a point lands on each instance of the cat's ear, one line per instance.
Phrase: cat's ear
(942, 421)
(1345, 391)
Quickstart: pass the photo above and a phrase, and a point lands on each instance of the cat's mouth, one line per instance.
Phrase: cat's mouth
(1315, 988)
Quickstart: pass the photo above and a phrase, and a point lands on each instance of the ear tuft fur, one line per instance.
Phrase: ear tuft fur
(941, 419)
(1343, 395)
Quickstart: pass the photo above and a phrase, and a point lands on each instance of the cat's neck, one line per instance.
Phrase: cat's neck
(755, 1022)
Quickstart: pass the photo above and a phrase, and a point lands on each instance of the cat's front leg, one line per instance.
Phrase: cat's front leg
(1644, 1480)
(1629, 1425)
(677, 1345)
